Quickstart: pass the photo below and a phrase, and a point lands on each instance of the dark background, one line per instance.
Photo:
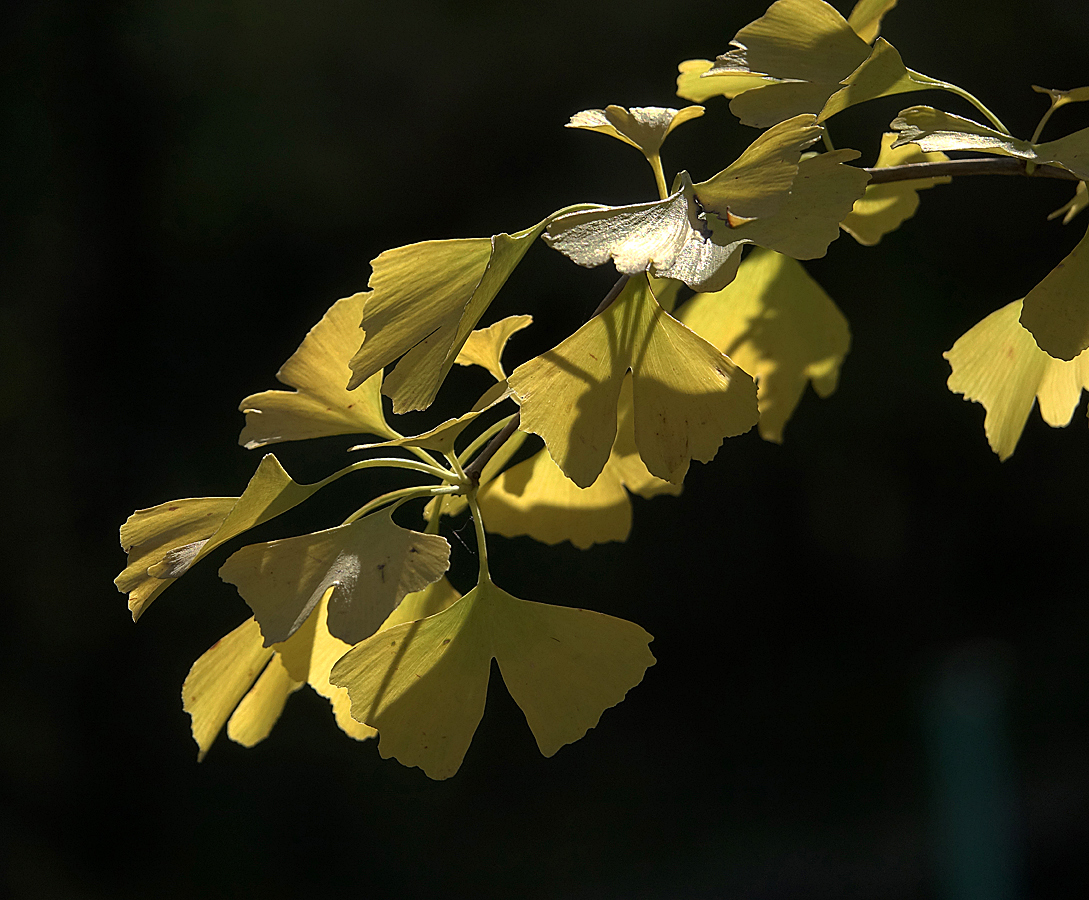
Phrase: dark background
(871, 640)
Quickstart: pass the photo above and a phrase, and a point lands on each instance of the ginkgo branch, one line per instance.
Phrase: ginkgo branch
(986, 165)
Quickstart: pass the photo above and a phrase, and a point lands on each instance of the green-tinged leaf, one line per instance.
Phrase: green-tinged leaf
(163, 542)
(822, 196)
(644, 128)
(423, 685)
(1056, 311)
(998, 364)
(1075, 205)
(370, 564)
(320, 405)
(884, 207)
(778, 324)
(687, 395)
(694, 85)
(425, 301)
(758, 182)
(882, 75)
(220, 679)
(260, 709)
(535, 498)
(866, 18)
(1061, 98)
(442, 437)
(455, 504)
(779, 101)
(484, 347)
(669, 238)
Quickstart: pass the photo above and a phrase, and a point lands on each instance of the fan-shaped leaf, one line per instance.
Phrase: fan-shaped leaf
(644, 128)
(485, 346)
(1056, 311)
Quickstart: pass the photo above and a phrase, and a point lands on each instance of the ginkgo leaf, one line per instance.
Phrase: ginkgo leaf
(1061, 98)
(535, 498)
(1056, 311)
(260, 709)
(1075, 205)
(442, 437)
(776, 323)
(932, 130)
(644, 128)
(370, 564)
(687, 395)
(694, 85)
(425, 300)
(780, 100)
(423, 685)
(823, 194)
(998, 364)
(163, 542)
(883, 74)
(884, 207)
(320, 405)
(485, 346)
(866, 18)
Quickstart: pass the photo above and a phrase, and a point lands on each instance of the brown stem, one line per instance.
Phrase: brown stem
(987, 165)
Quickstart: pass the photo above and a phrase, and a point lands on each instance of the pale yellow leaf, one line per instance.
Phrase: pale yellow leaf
(693, 84)
(866, 17)
(260, 709)
(484, 347)
(1075, 205)
(644, 128)
(882, 75)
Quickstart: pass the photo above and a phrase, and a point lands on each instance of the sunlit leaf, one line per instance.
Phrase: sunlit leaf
(535, 498)
(320, 405)
(780, 100)
(776, 323)
(998, 364)
(884, 207)
(423, 685)
(163, 542)
(1075, 205)
(882, 75)
(866, 17)
(694, 85)
(1061, 98)
(484, 347)
(687, 395)
(1056, 311)
(644, 128)
(260, 709)
(370, 564)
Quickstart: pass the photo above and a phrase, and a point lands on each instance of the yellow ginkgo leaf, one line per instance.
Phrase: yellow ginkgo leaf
(1075, 205)
(866, 18)
(998, 364)
(644, 128)
(423, 685)
(694, 85)
(163, 542)
(320, 405)
(260, 709)
(776, 323)
(883, 74)
(485, 346)
(884, 207)
(1061, 98)
(535, 498)
(687, 395)
(370, 564)
(1056, 311)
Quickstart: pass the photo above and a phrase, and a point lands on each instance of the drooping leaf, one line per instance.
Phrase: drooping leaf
(163, 542)
(320, 405)
(1075, 205)
(535, 498)
(776, 323)
(370, 564)
(423, 684)
(1056, 311)
(883, 74)
(998, 364)
(644, 128)
(866, 18)
(884, 207)
(687, 395)
(694, 85)
(485, 346)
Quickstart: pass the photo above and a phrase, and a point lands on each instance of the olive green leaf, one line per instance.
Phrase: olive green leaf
(485, 346)
(163, 542)
(425, 300)
(933, 130)
(1075, 205)
(423, 684)
(370, 564)
(883, 74)
(884, 207)
(866, 18)
(693, 85)
(1056, 311)
(535, 498)
(776, 323)
(998, 364)
(644, 128)
(687, 395)
(320, 405)
(1061, 98)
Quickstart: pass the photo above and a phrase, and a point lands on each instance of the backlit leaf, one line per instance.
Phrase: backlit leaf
(776, 323)
(644, 128)
(320, 405)
(1056, 311)
(779, 101)
(882, 75)
(1075, 205)
(998, 364)
(423, 685)
(694, 85)
(687, 395)
(484, 347)
(866, 17)
(370, 564)
(260, 709)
